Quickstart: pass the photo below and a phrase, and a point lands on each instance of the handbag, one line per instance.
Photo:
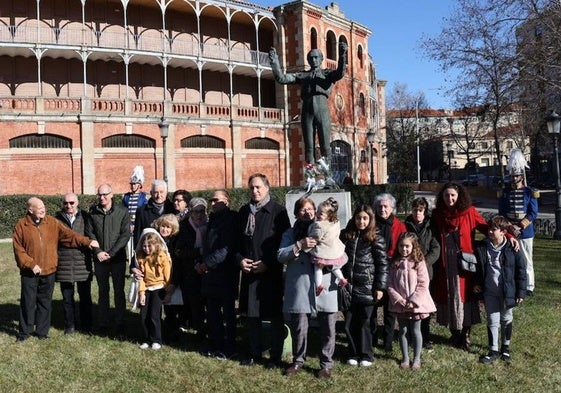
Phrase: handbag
(344, 294)
(467, 262)
(133, 293)
(344, 298)
(176, 297)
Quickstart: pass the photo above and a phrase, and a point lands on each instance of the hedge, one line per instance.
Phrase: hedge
(13, 207)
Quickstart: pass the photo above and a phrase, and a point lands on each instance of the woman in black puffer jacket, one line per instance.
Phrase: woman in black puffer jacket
(367, 271)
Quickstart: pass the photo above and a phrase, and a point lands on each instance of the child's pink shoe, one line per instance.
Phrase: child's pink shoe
(319, 289)
(343, 282)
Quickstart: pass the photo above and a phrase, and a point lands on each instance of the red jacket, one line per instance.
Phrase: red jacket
(447, 221)
(38, 244)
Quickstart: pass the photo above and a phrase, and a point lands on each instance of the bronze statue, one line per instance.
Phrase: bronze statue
(316, 84)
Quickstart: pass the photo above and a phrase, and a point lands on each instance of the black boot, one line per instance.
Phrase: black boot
(465, 338)
(455, 339)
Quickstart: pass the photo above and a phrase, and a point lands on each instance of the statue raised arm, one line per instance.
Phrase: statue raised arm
(316, 85)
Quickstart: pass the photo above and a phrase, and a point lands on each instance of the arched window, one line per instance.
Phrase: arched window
(362, 104)
(359, 55)
(128, 141)
(261, 144)
(331, 46)
(203, 142)
(341, 160)
(342, 38)
(313, 38)
(40, 141)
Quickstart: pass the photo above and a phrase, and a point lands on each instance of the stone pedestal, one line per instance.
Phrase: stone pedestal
(341, 196)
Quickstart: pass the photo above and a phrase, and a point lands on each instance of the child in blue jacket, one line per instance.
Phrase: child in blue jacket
(501, 278)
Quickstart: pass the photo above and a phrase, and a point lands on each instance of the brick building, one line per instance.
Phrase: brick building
(86, 86)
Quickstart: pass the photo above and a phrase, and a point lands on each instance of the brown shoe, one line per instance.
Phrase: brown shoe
(324, 373)
(293, 369)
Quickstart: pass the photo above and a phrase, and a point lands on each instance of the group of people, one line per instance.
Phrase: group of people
(279, 273)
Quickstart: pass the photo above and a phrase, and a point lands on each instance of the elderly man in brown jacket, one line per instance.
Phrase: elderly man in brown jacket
(36, 239)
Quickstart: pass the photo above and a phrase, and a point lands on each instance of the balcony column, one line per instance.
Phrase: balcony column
(88, 159)
(237, 149)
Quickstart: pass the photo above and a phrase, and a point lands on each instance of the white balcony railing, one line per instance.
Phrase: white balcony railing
(149, 41)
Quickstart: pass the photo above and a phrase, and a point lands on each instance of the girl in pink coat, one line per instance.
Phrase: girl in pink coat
(409, 297)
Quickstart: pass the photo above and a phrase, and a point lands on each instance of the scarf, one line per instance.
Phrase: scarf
(254, 207)
(159, 207)
(200, 231)
(448, 220)
(385, 228)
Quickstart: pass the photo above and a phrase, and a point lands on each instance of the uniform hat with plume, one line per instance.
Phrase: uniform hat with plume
(516, 163)
(137, 174)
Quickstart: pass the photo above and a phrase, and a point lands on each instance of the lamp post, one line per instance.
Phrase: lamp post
(553, 128)
(450, 154)
(164, 130)
(417, 140)
(370, 137)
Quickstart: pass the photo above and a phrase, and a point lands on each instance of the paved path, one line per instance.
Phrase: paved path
(546, 203)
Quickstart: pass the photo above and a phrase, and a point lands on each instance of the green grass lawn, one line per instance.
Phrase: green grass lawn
(81, 363)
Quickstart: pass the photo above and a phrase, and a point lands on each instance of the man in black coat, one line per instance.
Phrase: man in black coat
(110, 226)
(74, 266)
(220, 276)
(263, 223)
(157, 205)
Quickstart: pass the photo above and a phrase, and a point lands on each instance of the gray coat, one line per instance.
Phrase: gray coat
(299, 291)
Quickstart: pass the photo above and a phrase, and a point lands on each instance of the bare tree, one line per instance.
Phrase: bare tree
(480, 42)
(471, 125)
(405, 130)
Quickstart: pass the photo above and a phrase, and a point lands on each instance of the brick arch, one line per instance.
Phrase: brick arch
(262, 144)
(40, 141)
(203, 142)
(128, 141)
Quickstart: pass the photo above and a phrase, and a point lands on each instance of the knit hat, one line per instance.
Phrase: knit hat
(194, 202)
(137, 174)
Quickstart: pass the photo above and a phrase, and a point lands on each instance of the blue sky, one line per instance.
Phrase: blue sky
(397, 27)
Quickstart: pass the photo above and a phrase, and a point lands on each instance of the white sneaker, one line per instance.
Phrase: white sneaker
(352, 362)
(156, 346)
(144, 346)
(365, 363)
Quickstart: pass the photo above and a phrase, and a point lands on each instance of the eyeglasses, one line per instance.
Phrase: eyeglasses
(307, 210)
(178, 200)
(69, 202)
(103, 195)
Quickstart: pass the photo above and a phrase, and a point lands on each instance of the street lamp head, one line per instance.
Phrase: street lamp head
(553, 123)
(370, 136)
(164, 128)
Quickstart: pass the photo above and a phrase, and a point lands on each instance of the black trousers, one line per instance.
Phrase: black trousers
(69, 305)
(357, 328)
(36, 300)
(151, 316)
(389, 323)
(255, 330)
(115, 270)
(221, 319)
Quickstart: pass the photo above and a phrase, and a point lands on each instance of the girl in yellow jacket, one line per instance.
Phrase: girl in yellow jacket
(155, 264)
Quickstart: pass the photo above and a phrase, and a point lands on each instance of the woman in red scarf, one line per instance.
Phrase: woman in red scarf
(454, 223)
